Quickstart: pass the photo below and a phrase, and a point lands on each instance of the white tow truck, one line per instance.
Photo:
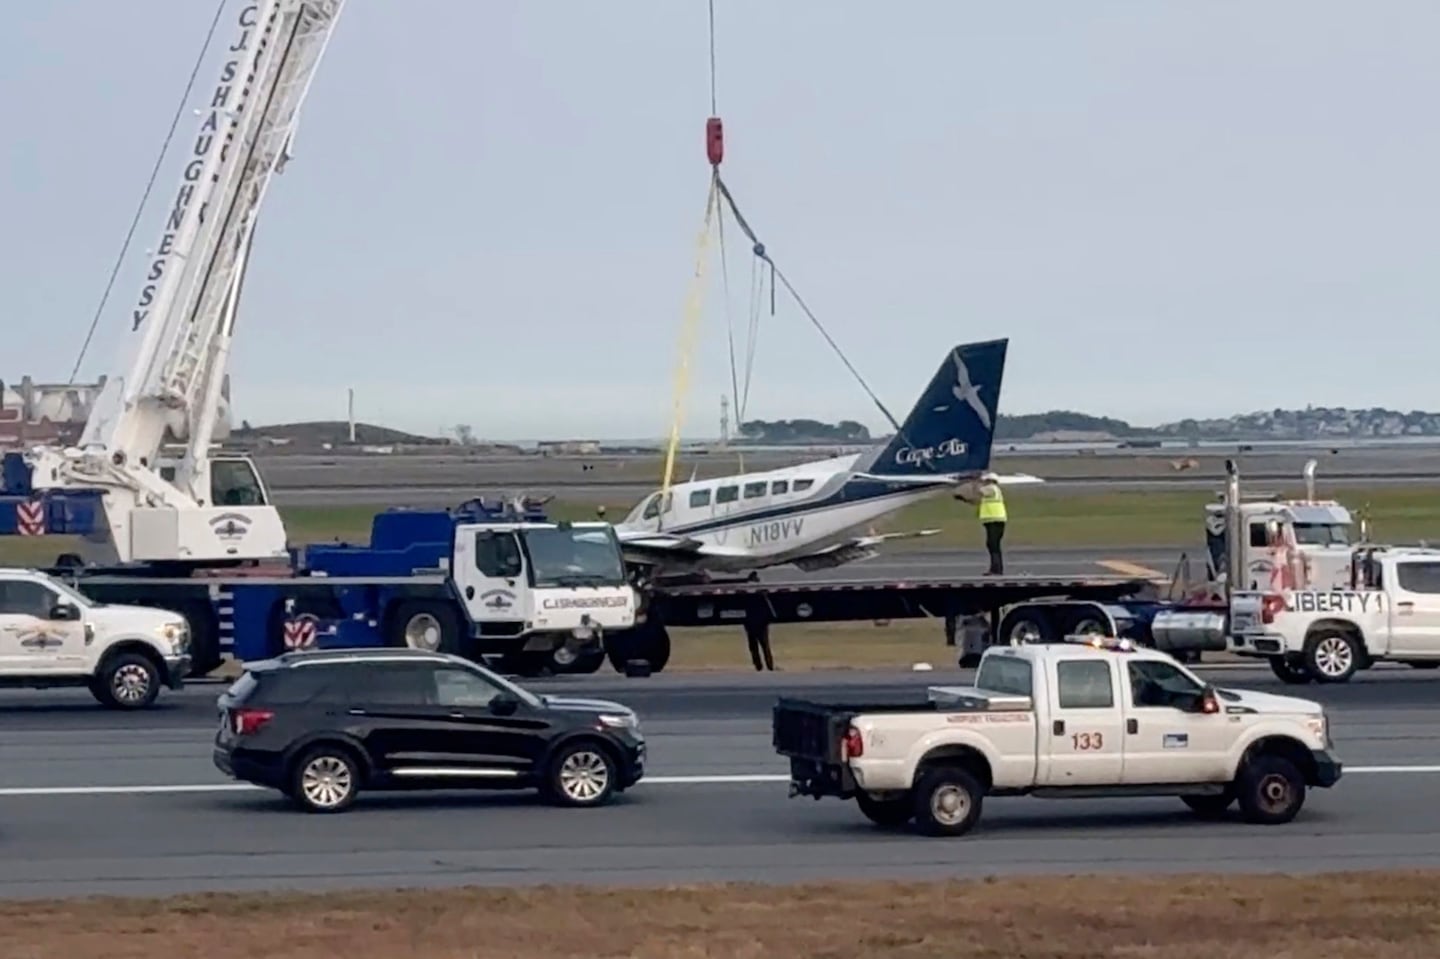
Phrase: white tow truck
(52, 636)
(1388, 609)
(1090, 717)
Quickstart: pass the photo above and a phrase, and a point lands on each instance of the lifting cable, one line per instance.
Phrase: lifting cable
(145, 196)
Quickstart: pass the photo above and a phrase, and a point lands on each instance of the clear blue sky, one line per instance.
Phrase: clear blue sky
(1171, 208)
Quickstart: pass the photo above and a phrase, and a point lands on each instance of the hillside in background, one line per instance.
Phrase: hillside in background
(320, 433)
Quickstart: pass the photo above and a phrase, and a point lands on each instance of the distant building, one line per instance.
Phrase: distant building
(568, 447)
(33, 414)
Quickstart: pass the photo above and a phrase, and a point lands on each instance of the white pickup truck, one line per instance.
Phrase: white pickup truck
(1088, 719)
(52, 636)
(1389, 609)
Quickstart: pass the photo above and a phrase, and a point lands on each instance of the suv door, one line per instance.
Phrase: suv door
(1167, 740)
(477, 736)
(1086, 735)
(1415, 614)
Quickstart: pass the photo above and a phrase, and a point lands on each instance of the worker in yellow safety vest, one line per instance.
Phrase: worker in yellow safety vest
(991, 511)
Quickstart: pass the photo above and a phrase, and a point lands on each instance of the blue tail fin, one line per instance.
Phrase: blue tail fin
(951, 428)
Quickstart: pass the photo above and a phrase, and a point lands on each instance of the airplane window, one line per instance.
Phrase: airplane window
(779, 487)
(727, 494)
(699, 498)
(652, 508)
(753, 490)
(802, 485)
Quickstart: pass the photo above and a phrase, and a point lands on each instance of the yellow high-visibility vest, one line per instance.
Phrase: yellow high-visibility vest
(992, 504)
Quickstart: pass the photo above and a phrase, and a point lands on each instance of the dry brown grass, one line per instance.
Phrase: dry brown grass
(1382, 915)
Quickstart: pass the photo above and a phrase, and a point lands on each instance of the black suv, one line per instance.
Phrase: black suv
(320, 726)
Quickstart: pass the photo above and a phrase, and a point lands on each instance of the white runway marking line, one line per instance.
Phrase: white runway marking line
(743, 778)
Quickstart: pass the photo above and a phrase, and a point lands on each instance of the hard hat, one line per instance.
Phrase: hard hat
(988, 477)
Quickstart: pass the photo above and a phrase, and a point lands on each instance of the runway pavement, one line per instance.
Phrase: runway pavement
(94, 802)
(442, 479)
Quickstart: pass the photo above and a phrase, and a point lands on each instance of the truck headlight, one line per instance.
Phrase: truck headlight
(1320, 726)
(176, 634)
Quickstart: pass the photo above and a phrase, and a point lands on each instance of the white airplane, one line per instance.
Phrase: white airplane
(808, 515)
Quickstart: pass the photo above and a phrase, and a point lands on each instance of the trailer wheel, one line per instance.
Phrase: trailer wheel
(425, 624)
(1025, 626)
(650, 642)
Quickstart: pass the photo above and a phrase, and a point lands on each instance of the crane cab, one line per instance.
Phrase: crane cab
(233, 479)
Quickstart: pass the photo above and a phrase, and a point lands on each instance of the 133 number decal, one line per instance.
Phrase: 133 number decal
(1087, 741)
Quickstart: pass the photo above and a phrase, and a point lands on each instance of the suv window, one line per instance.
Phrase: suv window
(388, 684)
(460, 687)
(1418, 577)
(1085, 684)
(1006, 674)
(1161, 684)
(20, 597)
(296, 686)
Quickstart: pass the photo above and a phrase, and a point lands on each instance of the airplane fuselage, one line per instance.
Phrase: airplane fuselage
(753, 520)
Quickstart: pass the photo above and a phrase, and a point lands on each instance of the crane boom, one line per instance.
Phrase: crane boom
(177, 510)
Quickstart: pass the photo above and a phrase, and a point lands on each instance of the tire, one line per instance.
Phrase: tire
(889, 813)
(1271, 790)
(1210, 807)
(1026, 628)
(431, 625)
(1332, 656)
(1290, 670)
(326, 779)
(586, 663)
(581, 774)
(127, 681)
(936, 788)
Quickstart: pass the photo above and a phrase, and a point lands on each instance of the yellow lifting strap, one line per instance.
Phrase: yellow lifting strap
(688, 333)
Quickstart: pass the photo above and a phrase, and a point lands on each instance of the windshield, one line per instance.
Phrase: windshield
(1322, 534)
(579, 556)
(79, 600)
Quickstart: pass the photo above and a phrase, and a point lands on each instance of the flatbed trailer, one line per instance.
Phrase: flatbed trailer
(976, 611)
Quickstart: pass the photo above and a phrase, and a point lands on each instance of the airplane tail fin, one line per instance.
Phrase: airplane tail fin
(951, 428)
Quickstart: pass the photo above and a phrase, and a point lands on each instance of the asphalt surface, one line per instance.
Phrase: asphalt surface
(97, 803)
(431, 479)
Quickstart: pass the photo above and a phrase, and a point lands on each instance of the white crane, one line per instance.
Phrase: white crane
(198, 508)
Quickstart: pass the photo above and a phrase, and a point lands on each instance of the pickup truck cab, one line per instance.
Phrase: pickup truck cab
(1090, 717)
(53, 636)
(1389, 609)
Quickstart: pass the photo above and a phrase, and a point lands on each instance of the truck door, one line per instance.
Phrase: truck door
(1087, 733)
(489, 574)
(1167, 738)
(1415, 607)
(33, 639)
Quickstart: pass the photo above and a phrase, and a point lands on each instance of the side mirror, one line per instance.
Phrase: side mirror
(1208, 702)
(64, 612)
(504, 705)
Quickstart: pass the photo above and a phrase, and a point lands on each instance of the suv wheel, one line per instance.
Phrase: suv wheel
(326, 779)
(1271, 790)
(947, 801)
(582, 774)
(126, 681)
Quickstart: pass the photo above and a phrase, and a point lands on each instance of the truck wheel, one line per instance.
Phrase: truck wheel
(1271, 790)
(581, 774)
(1210, 807)
(886, 812)
(1022, 628)
(584, 663)
(947, 801)
(325, 779)
(1290, 669)
(430, 625)
(126, 681)
(1332, 656)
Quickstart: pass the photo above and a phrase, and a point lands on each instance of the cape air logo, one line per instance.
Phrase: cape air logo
(230, 527)
(966, 392)
(943, 450)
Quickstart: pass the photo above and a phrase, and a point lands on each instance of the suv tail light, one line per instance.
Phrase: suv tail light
(1270, 605)
(853, 745)
(248, 720)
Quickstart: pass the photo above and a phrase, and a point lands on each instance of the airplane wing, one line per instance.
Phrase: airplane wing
(1006, 479)
(853, 550)
(641, 547)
